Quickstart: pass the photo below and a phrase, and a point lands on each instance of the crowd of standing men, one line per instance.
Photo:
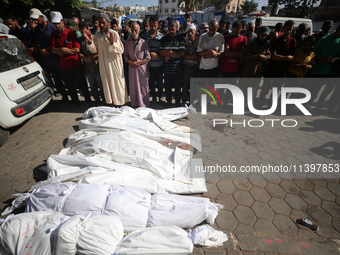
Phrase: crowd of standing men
(153, 58)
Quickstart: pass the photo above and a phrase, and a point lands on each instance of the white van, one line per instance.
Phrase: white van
(272, 21)
(23, 85)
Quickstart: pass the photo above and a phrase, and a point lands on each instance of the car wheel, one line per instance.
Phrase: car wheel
(4, 134)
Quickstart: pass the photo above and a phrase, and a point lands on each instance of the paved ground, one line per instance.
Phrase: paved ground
(260, 210)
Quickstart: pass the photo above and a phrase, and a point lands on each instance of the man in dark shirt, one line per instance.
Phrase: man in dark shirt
(299, 36)
(64, 42)
(172, 48)
(42, 36)
(283, 51)
(95, 24)
(15, 29)
(327, 27)
(153, 37)
(91, 66)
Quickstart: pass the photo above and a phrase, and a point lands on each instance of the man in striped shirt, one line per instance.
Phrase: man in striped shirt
(153, 37)
(172, 48)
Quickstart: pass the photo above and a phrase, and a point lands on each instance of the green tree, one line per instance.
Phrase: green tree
(189, 5)
(249, 6)
(219, 4)
(300, 9)
(94, 3)
(21, 8)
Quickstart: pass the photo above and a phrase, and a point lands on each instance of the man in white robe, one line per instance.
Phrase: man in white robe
(110, 49)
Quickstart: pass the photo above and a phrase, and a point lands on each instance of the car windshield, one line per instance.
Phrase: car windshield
(13, 54)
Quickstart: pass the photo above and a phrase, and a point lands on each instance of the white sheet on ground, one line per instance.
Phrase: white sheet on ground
(181, 211)
(133, 149)
(205, 235)
(50, 232)
(157, 240)
(44, 233)
(135, 208)
(27, 233)
(169, 114)
(97, 235)
(96, 170)
(152, 126)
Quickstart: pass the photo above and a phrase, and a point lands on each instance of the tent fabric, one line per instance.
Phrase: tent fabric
(157, 240)
(135, 208)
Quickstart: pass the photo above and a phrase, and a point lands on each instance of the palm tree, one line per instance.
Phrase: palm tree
(249, 6)
(189, 5)
(219, 4)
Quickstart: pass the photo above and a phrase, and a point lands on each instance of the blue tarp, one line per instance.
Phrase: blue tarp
(132, 16)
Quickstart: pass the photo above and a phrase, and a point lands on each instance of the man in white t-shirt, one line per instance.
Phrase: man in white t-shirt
(210, 48)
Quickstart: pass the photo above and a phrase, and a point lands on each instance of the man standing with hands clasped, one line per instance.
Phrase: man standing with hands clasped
(137, 55)
(110, 50)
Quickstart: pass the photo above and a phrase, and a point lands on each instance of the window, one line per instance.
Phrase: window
(160, 1)
(166, 1)
(173, 10)
(234, 8)
(174, 1)
(227, 7)
(166, 10)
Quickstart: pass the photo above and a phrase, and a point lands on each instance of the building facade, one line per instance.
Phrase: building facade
(168, 8)
(231, 6)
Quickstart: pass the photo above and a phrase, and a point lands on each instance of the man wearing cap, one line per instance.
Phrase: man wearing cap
(153, 37)
(42, 36)
(110, 49)
(190, 61)
(210, 48)
(64, 42)
(125, 33)
(327, 27)
(137, 55)
(257, 55)
(165, 25)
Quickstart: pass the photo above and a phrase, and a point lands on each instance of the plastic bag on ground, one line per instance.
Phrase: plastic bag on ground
(157, 240)
(205, 235)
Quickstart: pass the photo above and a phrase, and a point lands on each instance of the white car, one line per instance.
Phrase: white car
(24, 89)
(272, 21)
